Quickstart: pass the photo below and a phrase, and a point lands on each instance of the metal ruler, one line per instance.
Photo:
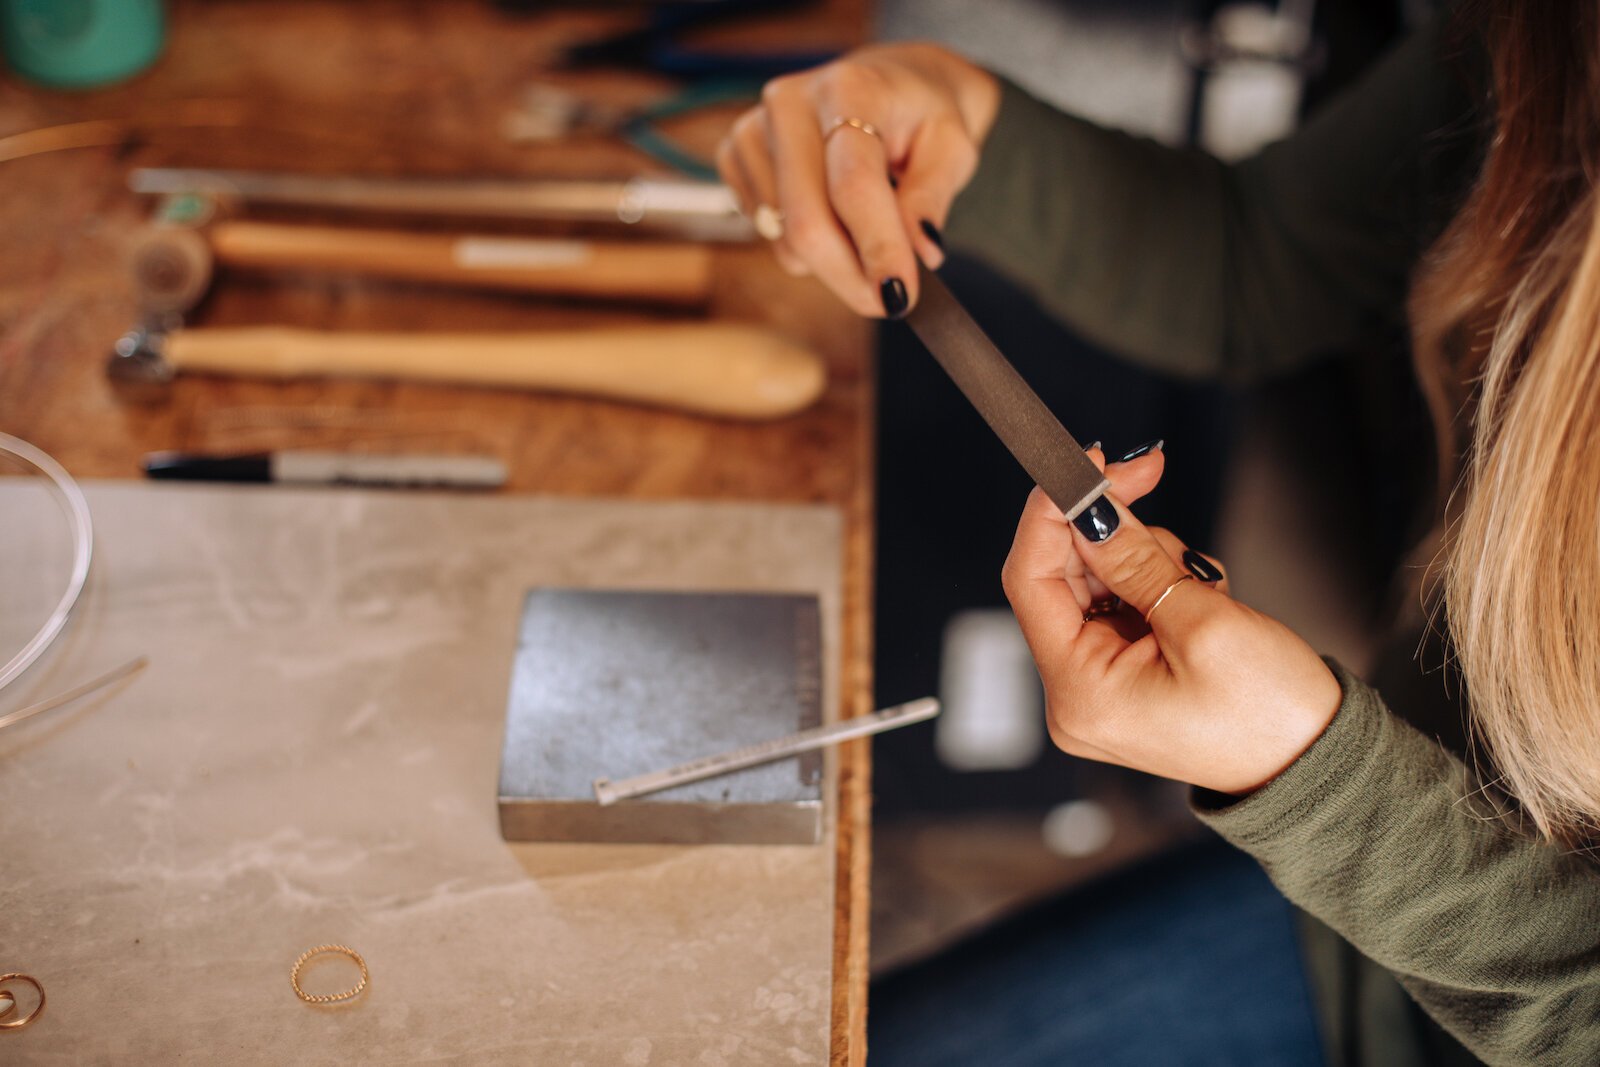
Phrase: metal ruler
(608, 792)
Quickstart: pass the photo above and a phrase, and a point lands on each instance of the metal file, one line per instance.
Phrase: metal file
(1007, 403)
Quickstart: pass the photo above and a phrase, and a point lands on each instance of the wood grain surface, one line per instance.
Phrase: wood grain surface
(418, 88)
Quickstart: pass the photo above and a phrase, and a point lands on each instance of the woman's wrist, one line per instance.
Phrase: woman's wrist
(1303, 725)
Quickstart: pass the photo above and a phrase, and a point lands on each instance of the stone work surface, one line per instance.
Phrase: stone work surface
(311, 758)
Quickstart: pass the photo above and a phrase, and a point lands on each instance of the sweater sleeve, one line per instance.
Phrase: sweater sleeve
(1205, 269)
(1375, 830)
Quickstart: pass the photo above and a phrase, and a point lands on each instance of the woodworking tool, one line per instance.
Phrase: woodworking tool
(173, 264)
(730, 370)
(697, 210)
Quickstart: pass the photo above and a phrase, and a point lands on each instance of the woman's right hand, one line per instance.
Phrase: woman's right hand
(858, 209)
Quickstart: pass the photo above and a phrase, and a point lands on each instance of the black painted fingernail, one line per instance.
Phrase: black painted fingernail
(1201, 567)
(1098, 521)
(932, 233)
(1092, 445)
(1148, 446)
(893, 292)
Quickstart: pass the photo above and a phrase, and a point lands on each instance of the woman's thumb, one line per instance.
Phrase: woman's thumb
(1132, 564)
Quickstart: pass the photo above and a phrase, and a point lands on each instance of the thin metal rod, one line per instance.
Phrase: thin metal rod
(608, 792)
(70, 695)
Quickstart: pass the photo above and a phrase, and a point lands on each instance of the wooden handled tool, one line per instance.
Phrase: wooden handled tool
(696, 210)
(659, 272)
(724, 369)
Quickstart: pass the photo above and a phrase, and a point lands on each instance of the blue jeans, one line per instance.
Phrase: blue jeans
(1188, 961)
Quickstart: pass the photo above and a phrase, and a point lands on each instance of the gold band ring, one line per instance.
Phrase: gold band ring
(1166, 593)
(841, 121)
(327, 998)
(38, 1009)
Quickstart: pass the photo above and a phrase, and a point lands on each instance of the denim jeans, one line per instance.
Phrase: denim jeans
(1187, 961)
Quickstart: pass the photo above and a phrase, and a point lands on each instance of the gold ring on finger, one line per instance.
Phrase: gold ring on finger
(1166, 593)
(768, 222)
(841, 121)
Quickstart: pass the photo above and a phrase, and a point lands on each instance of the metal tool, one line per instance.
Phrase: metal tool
(620, 681)
(697, 210)
(608, 792)
(1012, 409)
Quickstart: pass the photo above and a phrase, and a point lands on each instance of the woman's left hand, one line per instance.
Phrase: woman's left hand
(1208, 691)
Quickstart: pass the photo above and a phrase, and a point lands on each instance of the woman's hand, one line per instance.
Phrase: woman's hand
(859, 207)
(1208, 692)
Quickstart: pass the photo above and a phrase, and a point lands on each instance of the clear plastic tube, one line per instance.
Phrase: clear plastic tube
(76, 509)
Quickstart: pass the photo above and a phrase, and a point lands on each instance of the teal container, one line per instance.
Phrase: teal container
(79, 44)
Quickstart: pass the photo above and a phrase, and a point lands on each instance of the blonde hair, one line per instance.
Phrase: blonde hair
(1506, 320)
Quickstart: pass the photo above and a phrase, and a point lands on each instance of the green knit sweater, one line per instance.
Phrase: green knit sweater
(1235, 272)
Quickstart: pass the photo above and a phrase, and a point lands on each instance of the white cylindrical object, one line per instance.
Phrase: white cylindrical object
(993, 707)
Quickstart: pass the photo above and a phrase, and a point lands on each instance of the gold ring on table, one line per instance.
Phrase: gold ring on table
(768, 221)
(841, 121)
(327, 998)
(38, 1009)
(1166, 593)
(1109, 606)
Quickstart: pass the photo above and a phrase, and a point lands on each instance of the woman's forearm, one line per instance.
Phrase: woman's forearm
(1382, 834)
(1211, 270)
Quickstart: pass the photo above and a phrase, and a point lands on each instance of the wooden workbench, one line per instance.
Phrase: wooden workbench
(416, 89)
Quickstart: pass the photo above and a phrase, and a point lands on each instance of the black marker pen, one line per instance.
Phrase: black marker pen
(330, 468)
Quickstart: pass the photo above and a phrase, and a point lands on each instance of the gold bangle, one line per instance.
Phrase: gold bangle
(841, 121)
(1166, 593)
(327, 998)
(38, 1009)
